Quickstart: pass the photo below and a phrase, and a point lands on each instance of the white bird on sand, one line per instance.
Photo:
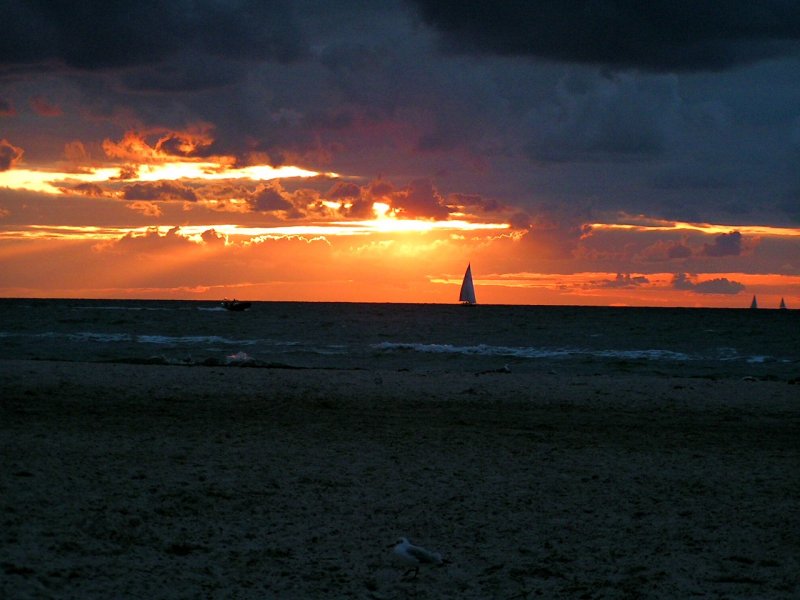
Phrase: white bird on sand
(415, 555)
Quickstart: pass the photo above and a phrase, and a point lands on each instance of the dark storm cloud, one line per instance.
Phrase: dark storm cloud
(380, 188)
(596, 118)
(369, 95)
(10, 155)
(725, 244)
(185, 73)
(6, 108)
(476, 202)
(664, 250)
(91, 190)
(678, 251)
(343, 190)
(88, 34)
(624, 280)
(660, 35)
(44, 108)
(421, 199)
(722, 285)
(269, 198)
(161, 190)
(357, 206)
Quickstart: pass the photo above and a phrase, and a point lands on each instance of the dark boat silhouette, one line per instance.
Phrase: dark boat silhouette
(235, 305)
(467, 294)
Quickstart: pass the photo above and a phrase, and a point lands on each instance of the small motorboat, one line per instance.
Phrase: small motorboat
(235, 305)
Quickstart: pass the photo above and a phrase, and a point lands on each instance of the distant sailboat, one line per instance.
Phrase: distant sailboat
(783, 305)
(754, 304)
(467, 295)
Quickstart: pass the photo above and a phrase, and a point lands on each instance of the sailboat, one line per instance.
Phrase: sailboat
(783, 305)
(467, 295)
(754, 304)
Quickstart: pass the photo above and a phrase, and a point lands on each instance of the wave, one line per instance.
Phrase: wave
(135, 308)
(192, 340)
(545, 353)
(108, 338)
(98, 340)
(724, 354)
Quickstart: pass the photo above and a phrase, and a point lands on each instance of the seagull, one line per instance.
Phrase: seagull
(415, 555)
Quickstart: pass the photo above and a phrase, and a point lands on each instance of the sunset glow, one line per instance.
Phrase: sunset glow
(356, 251)
(53, 182)
(351, 158)
(706, 228)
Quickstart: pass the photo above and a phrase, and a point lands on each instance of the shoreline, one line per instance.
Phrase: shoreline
(170, 481)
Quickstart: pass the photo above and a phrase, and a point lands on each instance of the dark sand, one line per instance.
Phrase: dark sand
(188, 482)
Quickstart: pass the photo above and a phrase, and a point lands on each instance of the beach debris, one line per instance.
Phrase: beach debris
(415, 556)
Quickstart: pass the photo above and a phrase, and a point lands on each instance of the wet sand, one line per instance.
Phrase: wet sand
(184, 482)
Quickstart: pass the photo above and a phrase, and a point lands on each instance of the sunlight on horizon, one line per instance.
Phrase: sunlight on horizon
(706, 228)
(54, 182)
(335, 228)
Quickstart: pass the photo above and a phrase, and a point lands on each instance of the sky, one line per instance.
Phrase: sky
(597, 152)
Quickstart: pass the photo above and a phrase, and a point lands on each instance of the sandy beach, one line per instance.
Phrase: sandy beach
(209, 482)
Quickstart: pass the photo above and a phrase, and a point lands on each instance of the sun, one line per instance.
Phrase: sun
(381, 210)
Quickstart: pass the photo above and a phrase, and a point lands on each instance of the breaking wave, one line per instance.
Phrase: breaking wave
(530, 352)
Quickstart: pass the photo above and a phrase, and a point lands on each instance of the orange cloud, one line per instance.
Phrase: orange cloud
(644, 224)
(149, 209)
(210, 236)
(153, 239)
(91, 190)
(76, 152)
(127, 172)
(134, 146)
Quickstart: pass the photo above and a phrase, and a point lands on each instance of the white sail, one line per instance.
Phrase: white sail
(467, 295)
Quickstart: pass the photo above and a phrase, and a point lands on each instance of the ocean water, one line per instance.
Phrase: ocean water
(425, 337)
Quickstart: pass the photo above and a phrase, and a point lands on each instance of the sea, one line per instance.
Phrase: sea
(693, 342)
